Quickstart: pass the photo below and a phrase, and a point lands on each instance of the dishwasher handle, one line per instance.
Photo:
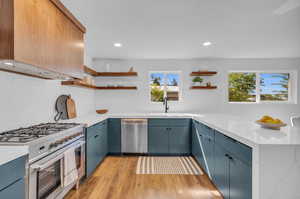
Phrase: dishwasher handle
(134, 121)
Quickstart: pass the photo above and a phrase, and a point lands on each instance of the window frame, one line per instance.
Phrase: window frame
(165, 72)
(292, 91)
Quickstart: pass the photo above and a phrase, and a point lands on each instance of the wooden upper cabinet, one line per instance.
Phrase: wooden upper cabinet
(43, 34)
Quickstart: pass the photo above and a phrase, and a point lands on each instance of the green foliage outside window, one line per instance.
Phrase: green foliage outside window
(157, 95)
(242, 87)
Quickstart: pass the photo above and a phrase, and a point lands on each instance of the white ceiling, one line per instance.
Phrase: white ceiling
(161, 29)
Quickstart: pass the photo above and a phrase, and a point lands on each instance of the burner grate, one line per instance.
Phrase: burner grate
(24, 135)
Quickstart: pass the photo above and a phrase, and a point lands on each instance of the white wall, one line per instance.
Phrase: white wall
(26, 101)
(192, 100)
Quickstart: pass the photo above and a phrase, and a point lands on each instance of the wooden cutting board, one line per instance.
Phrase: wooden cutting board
(71, 108)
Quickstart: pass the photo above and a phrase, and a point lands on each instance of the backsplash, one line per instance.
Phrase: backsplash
(26, 101)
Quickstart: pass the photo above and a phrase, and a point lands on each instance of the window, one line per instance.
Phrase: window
(260, 87)
(274, 86)
(164, 84)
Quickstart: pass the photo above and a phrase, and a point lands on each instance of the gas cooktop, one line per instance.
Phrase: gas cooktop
(24, 135)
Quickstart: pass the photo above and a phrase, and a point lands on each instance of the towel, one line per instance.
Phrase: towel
(70, 171)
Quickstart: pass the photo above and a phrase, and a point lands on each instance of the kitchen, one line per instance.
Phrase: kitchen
(133, 61)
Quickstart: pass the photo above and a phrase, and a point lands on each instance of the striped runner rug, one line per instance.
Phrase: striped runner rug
(168, 165)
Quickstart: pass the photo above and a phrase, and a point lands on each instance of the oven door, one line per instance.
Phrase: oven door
(46, 178)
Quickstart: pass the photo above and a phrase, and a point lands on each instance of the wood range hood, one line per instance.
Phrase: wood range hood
(41, 38)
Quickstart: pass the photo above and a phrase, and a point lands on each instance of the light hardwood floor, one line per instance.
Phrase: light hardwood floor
(115, 178)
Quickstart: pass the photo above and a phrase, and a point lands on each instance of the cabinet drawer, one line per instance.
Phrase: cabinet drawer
(12, 171)
(14, 191)
(96, 129)
(204, 130)
(238, 149)
(169, 122)
(101, 128)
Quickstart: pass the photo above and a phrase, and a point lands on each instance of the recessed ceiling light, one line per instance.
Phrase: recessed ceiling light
(118, 45)
(9, 63)
(207, 43)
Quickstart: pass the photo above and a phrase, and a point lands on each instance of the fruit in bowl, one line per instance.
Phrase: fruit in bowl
(270, 123)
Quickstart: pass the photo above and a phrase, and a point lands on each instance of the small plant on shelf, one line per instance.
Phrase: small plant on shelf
(197, 81)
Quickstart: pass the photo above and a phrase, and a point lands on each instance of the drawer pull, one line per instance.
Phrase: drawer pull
(229, 157)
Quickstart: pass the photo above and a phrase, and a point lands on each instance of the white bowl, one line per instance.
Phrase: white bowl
(270, 126)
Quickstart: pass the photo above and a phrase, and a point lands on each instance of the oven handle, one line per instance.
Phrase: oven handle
(38, 167)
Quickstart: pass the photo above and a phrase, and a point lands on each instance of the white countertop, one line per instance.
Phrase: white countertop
(9, 153)
(242, 130)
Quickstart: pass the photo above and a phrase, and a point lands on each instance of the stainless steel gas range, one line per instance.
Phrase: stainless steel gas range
(47, 144)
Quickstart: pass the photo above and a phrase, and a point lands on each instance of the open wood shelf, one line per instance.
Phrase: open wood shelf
(116, 88)
(90, 71)
(108, 74)
(116, 74)
(204, 87)
(203, 73)
(80, 84)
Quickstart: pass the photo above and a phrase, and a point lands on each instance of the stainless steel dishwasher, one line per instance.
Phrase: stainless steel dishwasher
(134, 135)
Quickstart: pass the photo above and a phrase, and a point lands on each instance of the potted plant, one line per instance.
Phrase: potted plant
(197, 81)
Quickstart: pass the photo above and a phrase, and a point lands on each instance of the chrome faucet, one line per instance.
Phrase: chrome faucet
(166, 104)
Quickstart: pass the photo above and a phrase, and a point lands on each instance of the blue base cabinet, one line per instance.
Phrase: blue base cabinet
(179, 140)
(12, 183)
(240, 179)
(233, 176)
(158, 140)
(205, 141)
(96, 146)
(227, 161)
(221, 176)
(197, 145)
(114, 136)
(14, 191)
(169, 137)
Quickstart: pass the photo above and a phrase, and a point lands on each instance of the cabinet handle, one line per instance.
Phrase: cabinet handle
(96, 136)
(229, 157)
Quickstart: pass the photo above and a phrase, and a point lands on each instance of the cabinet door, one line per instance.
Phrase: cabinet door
(240, 179)
(198, 143)
(103, 145)
(208, 151)
(114, 136)
(18, 168)
(179, 140)
(45, 37)
(195, 143)
(158, 140)
(221, 173)
(91, 155)
(14, 191)
(92, 149)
